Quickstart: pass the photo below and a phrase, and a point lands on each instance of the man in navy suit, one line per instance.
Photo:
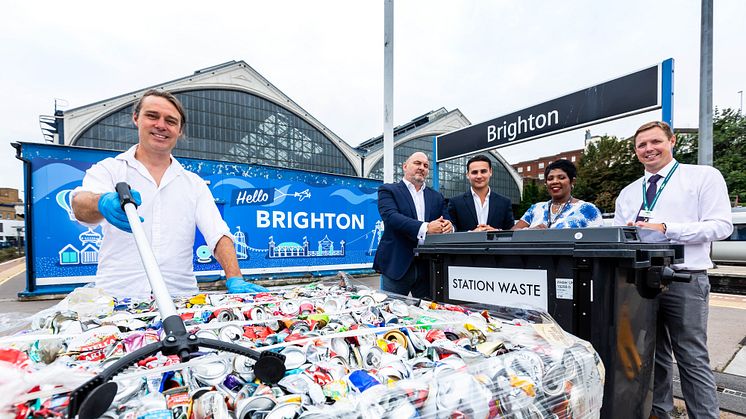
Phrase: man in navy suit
(480, 209)
(409, 210)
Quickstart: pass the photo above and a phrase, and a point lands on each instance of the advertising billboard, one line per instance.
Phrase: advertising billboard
(283, 221)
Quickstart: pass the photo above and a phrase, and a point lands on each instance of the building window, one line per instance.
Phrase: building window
(541, 165)
(528, 168)
(450, 173)
(233, 126)
(520, 170)
(572, 159)
(541, 176)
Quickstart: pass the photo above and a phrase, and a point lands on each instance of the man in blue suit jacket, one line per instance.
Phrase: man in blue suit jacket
(480, 209)
(409, 211)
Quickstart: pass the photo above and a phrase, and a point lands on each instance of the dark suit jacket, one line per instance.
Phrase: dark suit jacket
(464, 213)
(400, 226)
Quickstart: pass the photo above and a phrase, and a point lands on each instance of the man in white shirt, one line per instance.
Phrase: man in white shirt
(172, 202)
(689, 205)
(409, 210)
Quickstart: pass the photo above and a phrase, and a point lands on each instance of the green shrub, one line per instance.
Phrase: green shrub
(9, 253)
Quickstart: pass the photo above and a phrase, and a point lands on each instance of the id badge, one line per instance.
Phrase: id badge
(648, 215)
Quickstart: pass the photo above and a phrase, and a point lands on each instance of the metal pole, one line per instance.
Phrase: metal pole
(152, 270)
(667, 91)
(740, 106)
(434, 165)
(388, 91)
(18, 240)
(705, 86)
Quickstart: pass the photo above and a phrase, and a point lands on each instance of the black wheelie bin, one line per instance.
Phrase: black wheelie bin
(598, 284)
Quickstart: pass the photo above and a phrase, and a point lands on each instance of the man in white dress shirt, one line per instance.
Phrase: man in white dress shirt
(689, 205)
(172, 201)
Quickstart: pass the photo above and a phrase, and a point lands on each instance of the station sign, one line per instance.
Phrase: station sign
(625, 96)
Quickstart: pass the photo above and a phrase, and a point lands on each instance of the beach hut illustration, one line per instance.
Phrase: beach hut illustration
(89, 254)
(69, 255)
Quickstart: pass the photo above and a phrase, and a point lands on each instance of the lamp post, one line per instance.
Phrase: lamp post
(18, 239)
(740, 106)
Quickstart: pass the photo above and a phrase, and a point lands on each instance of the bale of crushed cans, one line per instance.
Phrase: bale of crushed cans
(349, 352)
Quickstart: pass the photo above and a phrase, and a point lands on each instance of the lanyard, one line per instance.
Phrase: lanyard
(559, 212)
(657, 193)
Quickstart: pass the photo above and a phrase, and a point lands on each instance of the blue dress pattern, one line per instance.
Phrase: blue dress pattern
(579, 214)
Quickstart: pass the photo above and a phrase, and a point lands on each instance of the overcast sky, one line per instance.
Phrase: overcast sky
(486, 58)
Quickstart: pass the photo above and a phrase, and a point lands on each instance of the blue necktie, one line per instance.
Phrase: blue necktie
(650, 193)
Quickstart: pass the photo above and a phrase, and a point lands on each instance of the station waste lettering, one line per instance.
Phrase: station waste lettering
(290, 220)
(502, 287)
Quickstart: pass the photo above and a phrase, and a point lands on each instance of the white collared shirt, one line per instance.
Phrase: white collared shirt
(419, 205)
(483, 210)
(418, 197)
(171, 212)
(694, 205)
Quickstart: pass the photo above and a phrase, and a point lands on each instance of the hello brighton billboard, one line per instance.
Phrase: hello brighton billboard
(283, 221)
(624, 96)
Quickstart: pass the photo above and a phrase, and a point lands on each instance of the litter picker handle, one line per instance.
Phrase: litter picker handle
(93, 398)
(165, 304)
(125, 195)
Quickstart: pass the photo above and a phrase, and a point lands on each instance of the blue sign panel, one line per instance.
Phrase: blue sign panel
(283, 221)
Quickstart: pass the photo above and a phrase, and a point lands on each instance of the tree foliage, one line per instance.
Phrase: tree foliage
(728, 150)
(533, 192)
(607, 166)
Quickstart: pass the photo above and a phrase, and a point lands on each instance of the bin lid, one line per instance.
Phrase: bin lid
(598, 242)
(563, 235)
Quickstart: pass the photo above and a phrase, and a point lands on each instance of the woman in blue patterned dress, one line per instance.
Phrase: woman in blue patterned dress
(562, 211)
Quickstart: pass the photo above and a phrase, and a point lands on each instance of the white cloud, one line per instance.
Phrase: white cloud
(486, 58)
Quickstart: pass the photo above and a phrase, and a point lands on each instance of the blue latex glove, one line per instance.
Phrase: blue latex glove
(236, 285)
(110, 207)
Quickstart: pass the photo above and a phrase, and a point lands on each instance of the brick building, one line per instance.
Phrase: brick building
(11, 224)
(8, 201)
(534, 169)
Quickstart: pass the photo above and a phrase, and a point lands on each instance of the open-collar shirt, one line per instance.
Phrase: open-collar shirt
(419, 205)
(483, 209)
(171, 212)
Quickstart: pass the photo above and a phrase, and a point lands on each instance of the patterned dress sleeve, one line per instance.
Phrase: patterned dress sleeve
(528, 217)
(591, 215)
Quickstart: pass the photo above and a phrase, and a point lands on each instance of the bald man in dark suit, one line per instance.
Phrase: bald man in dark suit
(410, 210)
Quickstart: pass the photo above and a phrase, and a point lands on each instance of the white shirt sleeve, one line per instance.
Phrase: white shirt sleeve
(207, 216)
(98, 179)
(626, 205)
(422, 233)
(715, 219)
